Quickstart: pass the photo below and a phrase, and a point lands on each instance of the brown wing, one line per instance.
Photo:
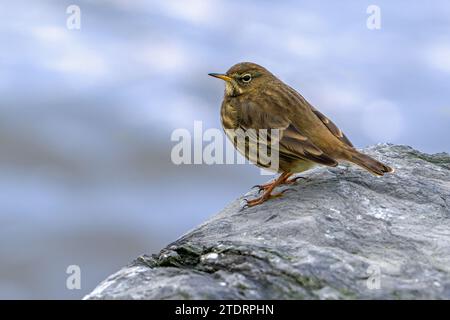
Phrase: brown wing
(327, 122)
(332, 127)
(293, 143)
(272, 113)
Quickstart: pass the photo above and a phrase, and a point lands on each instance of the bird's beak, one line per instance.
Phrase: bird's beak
(220, 76)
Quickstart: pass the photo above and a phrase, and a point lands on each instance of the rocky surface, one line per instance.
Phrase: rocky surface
(340, 234)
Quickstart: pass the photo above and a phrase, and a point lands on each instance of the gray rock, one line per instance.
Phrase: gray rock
(340, 234)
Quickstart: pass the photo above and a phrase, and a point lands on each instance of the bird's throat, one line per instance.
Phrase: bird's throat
(232, 89)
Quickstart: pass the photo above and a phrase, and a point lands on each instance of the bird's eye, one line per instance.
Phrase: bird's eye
(246, 78)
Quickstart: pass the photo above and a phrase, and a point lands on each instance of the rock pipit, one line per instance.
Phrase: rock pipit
(256, 100)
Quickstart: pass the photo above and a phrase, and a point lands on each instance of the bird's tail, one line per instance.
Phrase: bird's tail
(370, 164)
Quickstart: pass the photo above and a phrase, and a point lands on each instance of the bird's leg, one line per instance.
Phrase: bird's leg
(267, 186)
(264, 186)
(268, 191)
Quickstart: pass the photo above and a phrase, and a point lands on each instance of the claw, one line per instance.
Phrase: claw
(286, 190)
(262, 187)
(269, 187)
(244, 205)
(264, 198)
(254, 202)
(294, 180)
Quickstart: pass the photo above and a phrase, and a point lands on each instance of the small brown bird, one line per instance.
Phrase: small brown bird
(255, 99)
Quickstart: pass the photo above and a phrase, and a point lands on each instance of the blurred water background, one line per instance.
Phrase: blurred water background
(86, 115)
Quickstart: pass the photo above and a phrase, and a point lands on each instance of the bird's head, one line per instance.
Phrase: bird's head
(243, 77)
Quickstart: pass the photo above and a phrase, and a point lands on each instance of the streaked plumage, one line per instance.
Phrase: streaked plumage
(255, 99)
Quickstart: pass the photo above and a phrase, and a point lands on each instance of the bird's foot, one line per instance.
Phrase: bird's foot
(268, 188)
(266, 196)
(264, 187)
(271, 185)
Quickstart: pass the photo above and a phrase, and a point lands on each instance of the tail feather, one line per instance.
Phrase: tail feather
(370, 164)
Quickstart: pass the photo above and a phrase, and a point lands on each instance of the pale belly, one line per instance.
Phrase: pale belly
(271, 161)
(301, 165)
(248, 148)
